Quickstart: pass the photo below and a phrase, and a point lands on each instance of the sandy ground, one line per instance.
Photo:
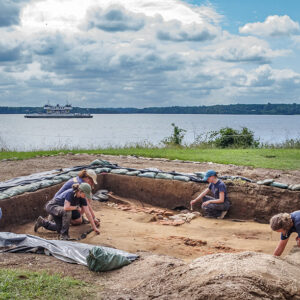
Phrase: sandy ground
(136, 232)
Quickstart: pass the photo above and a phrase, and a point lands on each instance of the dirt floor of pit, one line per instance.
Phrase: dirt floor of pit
(133, 231)
(15, 168)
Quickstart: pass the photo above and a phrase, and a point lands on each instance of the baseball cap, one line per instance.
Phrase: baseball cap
(86, 189)
(92, 174)
(209, 173)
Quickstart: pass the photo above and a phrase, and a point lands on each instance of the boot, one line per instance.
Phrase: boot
(39, 223)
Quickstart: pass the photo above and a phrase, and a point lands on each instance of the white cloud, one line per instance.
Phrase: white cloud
(246, 49)
(135, 53)
(272, 26)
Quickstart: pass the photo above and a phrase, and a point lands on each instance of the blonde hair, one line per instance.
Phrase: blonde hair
(83, 174)
(281, 221)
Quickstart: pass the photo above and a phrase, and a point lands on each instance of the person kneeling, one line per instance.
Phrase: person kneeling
(70, 203)
(217, 206)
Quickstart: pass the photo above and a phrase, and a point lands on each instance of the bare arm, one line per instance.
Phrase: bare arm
(68, 206)
(198, 198)
(280, 247)
(88, 201)
(90, 218)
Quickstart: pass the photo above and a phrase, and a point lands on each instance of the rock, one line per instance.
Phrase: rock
(178, 222)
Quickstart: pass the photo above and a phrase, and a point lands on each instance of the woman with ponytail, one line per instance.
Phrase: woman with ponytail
(286, 224)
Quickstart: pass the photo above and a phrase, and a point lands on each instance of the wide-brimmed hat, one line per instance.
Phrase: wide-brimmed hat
(92, 174)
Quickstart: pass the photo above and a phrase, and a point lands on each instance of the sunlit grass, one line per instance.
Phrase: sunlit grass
(19, 284)
(284, 159)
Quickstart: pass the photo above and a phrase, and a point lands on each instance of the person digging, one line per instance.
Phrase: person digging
(84, 176)
(63, 207)
(218, 205)
(286, 224)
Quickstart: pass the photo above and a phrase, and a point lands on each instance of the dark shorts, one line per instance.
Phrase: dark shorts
(75, 214)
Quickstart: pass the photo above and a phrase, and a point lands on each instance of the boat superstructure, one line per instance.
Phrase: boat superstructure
(58, 111)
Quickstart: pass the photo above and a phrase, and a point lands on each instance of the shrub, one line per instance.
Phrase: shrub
(228, 137)
(176, 137)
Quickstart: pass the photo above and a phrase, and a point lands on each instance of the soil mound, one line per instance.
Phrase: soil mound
(246, 275)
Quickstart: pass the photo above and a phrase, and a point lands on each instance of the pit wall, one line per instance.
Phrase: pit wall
(27, 207)
(249, 201)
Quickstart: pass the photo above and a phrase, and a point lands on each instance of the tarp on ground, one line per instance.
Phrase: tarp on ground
(71, 252)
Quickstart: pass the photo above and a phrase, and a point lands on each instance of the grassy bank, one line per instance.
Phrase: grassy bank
(283, 159)
(19, 284)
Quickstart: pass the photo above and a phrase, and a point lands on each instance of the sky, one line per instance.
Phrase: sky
(143, 53)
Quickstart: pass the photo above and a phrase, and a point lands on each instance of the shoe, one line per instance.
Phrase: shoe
(39, 223)
(223, 214)
(64, 237)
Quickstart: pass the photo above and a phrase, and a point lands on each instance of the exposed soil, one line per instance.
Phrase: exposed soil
(167, 268)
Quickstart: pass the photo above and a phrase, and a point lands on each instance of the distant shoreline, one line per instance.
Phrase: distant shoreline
(231, 109)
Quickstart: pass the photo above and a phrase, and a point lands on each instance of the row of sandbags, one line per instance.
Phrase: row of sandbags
(32, 183)
(272, 182)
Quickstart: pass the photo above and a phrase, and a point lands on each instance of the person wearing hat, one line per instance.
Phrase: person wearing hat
(88, 176)
(63, 206)
(286, 224)
(218, 205)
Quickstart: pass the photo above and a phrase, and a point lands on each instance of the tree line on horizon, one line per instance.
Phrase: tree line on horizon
(238, 109)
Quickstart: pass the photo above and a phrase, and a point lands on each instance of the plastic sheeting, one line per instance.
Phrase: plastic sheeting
(71, 252)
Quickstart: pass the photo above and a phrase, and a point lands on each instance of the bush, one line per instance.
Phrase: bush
(176, 138)
(229, 137)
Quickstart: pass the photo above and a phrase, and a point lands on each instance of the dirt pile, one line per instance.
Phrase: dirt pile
(246, 275)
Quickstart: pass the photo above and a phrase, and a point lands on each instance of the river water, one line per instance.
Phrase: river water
(22, 134)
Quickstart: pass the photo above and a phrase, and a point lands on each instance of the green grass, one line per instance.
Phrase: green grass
(283, 159)
(19, 284)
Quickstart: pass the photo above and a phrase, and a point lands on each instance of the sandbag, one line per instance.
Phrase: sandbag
(102, 170)
(46, 183)
(265, 182)
(181, 178)
(3, 196)
(64, 177)
(72, 174)
(100, 162)
(279, 185)
(133, 173)
(101, 260)
(200, 174)
(119, 171)
(164, 176)
(147, 174)
(294, 187)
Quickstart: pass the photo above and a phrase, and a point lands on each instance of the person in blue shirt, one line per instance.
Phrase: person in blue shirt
(62, 207)
(218, 205)
(286, 224)
(87, 176)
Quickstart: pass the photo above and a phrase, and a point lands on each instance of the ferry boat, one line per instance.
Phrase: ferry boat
(58, 112)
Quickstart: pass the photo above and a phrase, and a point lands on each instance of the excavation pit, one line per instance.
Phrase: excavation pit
(137, 217)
